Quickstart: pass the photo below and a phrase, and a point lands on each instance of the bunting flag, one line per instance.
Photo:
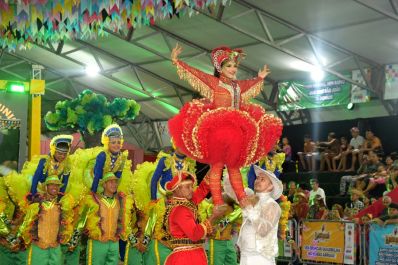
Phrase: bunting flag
(23, 22)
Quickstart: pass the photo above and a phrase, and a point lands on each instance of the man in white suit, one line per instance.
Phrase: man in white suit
(258, 238)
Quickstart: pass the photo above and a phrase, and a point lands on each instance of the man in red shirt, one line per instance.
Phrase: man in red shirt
(186, 234)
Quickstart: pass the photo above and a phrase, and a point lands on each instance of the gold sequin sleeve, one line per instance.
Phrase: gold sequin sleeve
(251, 88)
(200, 81)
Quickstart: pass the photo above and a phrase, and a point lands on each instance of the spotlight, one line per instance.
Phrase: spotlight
(317, 74)
(16, 87)
(350, 106)
(92, 70)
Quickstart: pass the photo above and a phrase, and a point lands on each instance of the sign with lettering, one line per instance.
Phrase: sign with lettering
(323, 241)
(383, 246)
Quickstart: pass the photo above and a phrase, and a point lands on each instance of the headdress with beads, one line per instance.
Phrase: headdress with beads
(220, 54)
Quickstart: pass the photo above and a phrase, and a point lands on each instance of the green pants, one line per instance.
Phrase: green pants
(156, 253)
(102, 253)
(222, 252)
(12, 258)
(133, 256)
(71, 257)
(49, 256)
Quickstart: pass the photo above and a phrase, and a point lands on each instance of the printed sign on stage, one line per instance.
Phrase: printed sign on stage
(323, 242)
(383, 245)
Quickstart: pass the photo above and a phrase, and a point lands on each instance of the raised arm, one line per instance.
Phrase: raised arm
(252, 87)
(200, 81)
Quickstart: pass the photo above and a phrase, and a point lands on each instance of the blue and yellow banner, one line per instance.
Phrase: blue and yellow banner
(383, 245)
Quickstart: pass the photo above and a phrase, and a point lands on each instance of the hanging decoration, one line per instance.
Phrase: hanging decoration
(9, 124)
(24, 22)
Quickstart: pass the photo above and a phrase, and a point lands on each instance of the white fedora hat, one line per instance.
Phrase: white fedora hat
(278, 187)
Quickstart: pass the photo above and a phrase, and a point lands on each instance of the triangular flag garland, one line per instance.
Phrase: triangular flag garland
(39, 21)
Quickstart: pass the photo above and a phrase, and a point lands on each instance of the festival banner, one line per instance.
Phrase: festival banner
(295, 95)
(391, 85)
(359, 94)
(383, 246)
(322, 242)
(349, 246)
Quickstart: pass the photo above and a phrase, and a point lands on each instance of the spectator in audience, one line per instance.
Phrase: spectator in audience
(307, 157)
(287, 149)
(390, 217)
(331, 149)
(336, 214)
(372, 143)
(354, 147)
(317, 209)
(355, 197)
(366, 201)
(316, 190)
(343, 148)
(392, 181)
(376, 185)
(303, 187)
(292, 189)
(388, 162)
(300, 206)
(370, 164)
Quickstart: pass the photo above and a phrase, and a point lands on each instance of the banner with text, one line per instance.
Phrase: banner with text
(322, 242)
(295, 95)
(383, 246)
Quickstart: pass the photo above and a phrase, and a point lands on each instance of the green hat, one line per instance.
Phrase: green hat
(108, 176)
(53, 180)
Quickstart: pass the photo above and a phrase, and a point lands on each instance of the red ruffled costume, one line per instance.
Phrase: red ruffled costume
(224, 128)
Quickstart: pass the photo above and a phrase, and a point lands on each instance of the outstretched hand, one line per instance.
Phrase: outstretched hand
(177, 50)
(264, 72)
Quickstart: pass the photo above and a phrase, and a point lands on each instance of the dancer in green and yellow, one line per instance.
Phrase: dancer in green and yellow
(221, 247)
(13, 189)
(47, 224)
(108, 219)
(148, 188)
(56, 163)
(93, 163)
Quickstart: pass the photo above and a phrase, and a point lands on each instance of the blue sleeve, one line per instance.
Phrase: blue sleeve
(98, 170)
(251, 177)
(277, 173)
(156, 177)
(65, 179)
(38, 176)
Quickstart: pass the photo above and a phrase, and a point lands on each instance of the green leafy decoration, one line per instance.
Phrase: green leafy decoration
(90, 113)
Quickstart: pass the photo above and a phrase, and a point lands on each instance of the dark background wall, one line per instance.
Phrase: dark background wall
(386, 128)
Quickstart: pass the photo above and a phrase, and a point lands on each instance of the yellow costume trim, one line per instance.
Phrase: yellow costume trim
(54, 139)
(93, 218)
(141, 184)
(160, 209)
(18, 186)
(284, 219)
(31, 216)
(211, 251)
(30, 255)
(157, 252)
(126, 254)
(253, 91)
(194, 81)
(90, 252)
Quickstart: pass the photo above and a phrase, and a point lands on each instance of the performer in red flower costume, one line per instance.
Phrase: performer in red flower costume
(223, 128)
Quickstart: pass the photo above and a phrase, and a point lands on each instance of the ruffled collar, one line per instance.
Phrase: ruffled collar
(263, 196)
(226, 80)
